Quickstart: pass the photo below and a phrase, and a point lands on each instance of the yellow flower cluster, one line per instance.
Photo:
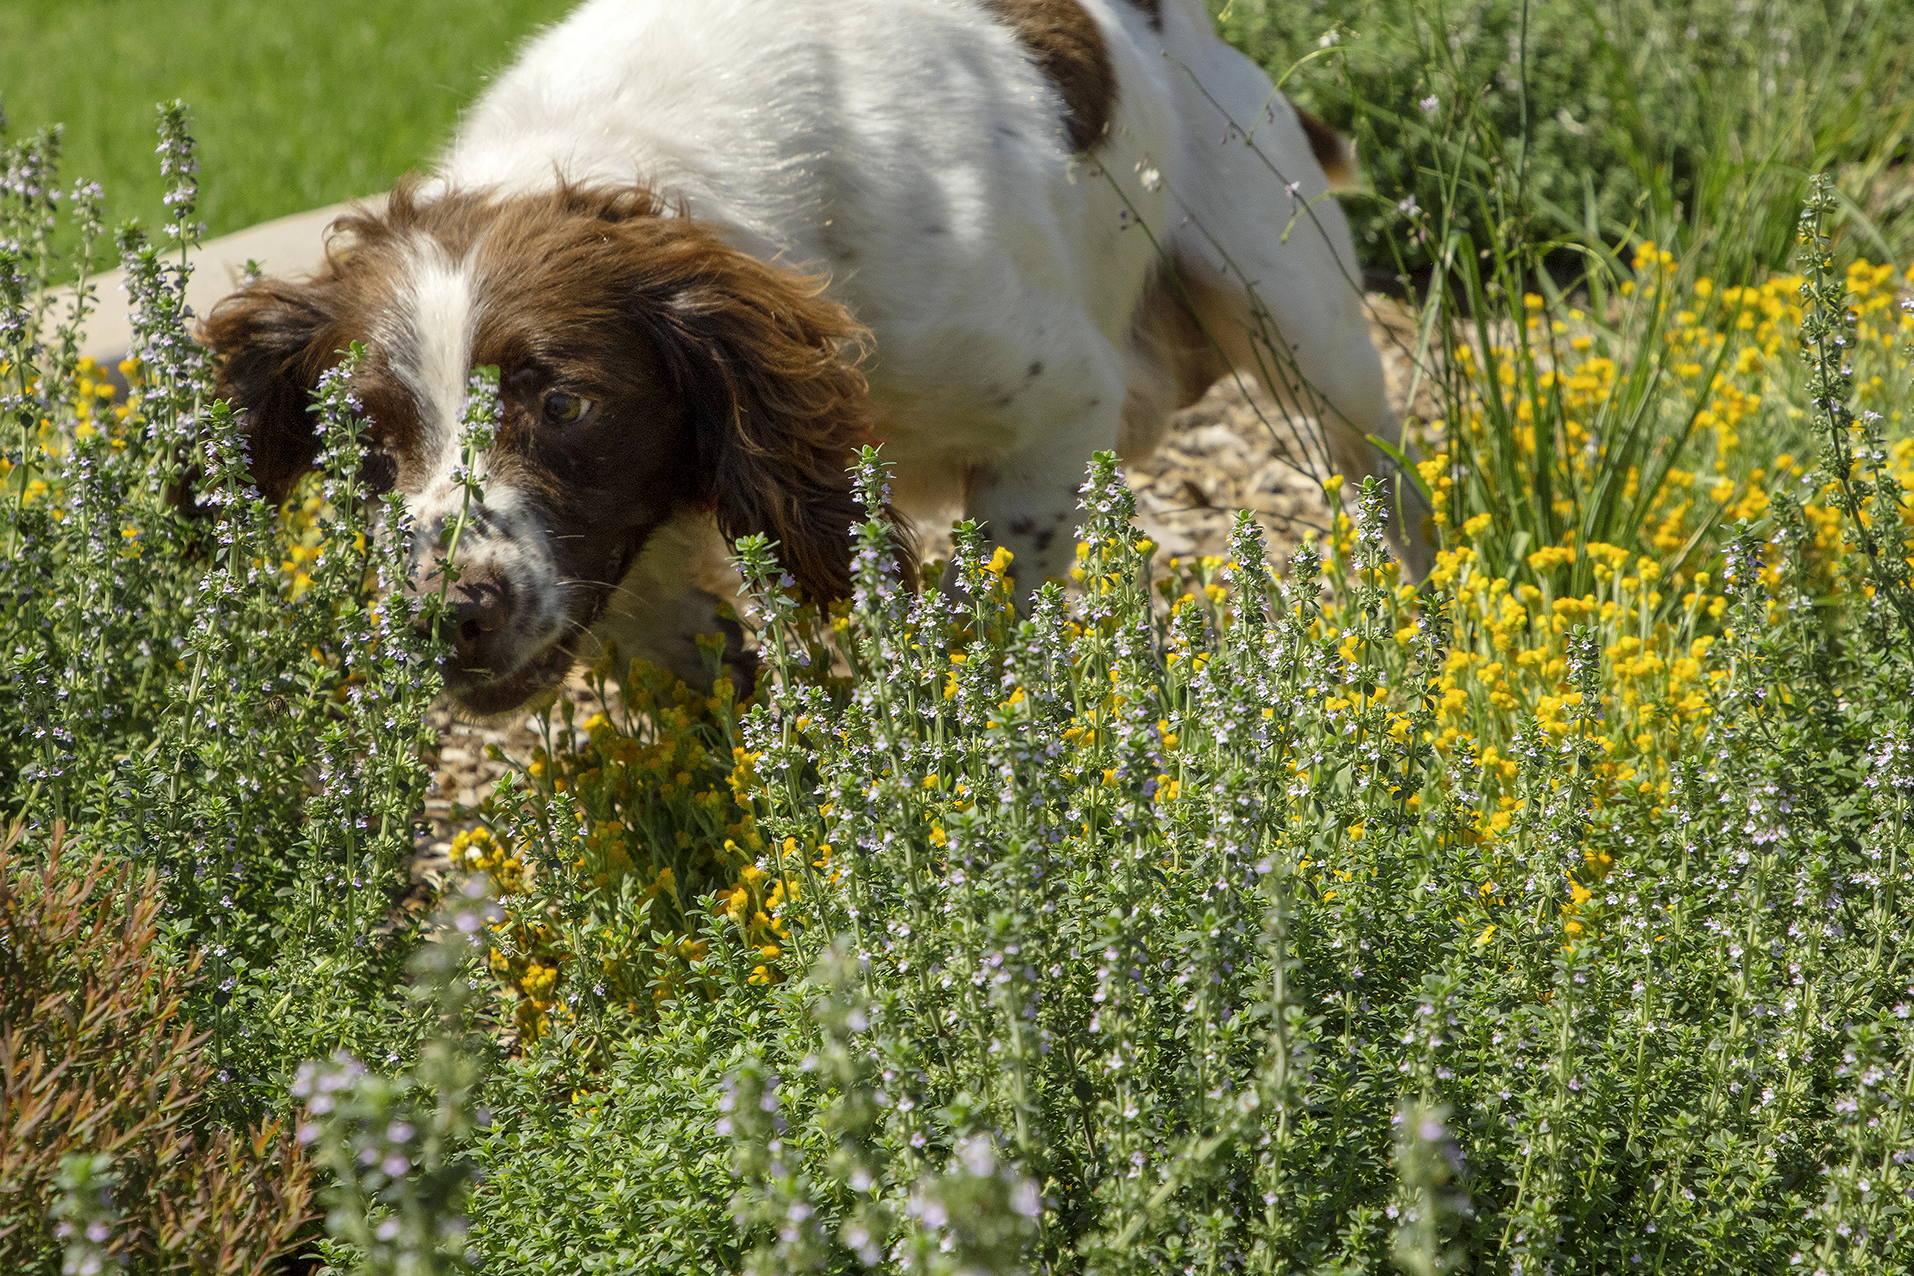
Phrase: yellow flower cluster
(1723, 352)
(301, 522)
(95, 409)
(1508, 665)
(1510, 659)
(95, 405)
(528, 963)
(662, 804)
(1651, 615)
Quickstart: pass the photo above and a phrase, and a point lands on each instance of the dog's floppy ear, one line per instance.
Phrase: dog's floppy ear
(273, 340)
(767, 368)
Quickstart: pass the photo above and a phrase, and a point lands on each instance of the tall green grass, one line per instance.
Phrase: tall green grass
(1696, 123)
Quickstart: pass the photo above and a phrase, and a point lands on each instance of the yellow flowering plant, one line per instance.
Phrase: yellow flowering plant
(623, 838)
(1622, 417)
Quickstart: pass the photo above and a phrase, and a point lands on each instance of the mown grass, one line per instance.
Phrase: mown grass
(296, 106)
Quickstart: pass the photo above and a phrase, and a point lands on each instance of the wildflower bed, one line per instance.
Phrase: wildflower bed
(1545, 916)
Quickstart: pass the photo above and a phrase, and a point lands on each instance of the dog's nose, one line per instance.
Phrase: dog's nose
(478, 607)
(481, 604)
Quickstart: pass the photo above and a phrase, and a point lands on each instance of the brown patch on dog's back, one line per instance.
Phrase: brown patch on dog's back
(1069, 49)
(1332, 150)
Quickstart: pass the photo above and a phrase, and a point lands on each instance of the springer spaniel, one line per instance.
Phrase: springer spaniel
(676, 229)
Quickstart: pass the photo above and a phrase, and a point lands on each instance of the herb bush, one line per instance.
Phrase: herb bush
(1542, 917)
(169, 708)
(1133, 941)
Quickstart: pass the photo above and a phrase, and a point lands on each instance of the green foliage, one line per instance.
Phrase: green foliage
(626, 1138)
(1692, 123)
(395, 1144)
(1154, 1010)
(1868, 490)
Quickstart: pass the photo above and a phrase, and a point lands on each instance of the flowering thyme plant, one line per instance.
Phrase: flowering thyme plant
(175, 714)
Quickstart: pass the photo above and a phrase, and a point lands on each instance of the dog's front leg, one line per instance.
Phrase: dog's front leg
(1035, 521)
(679, 589)
(1027, 502)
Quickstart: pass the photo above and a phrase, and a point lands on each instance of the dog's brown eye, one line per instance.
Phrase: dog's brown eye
(380, 472)
(566, 409)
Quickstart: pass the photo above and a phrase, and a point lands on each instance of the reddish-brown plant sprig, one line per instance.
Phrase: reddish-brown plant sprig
(96, 1058)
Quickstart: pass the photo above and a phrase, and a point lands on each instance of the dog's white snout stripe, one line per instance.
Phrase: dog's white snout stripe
(431, 333)
(433, 325)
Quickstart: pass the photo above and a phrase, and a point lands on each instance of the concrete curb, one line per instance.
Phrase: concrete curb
(284, 247)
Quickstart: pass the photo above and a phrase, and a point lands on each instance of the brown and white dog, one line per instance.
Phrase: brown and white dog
(678, 229)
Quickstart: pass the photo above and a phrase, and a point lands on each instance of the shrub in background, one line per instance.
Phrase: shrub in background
(1693, 123)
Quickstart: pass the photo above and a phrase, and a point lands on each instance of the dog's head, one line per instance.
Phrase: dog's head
(646, 369)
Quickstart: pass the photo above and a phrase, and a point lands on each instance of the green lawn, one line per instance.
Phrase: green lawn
(299, 106)
(295, 105)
